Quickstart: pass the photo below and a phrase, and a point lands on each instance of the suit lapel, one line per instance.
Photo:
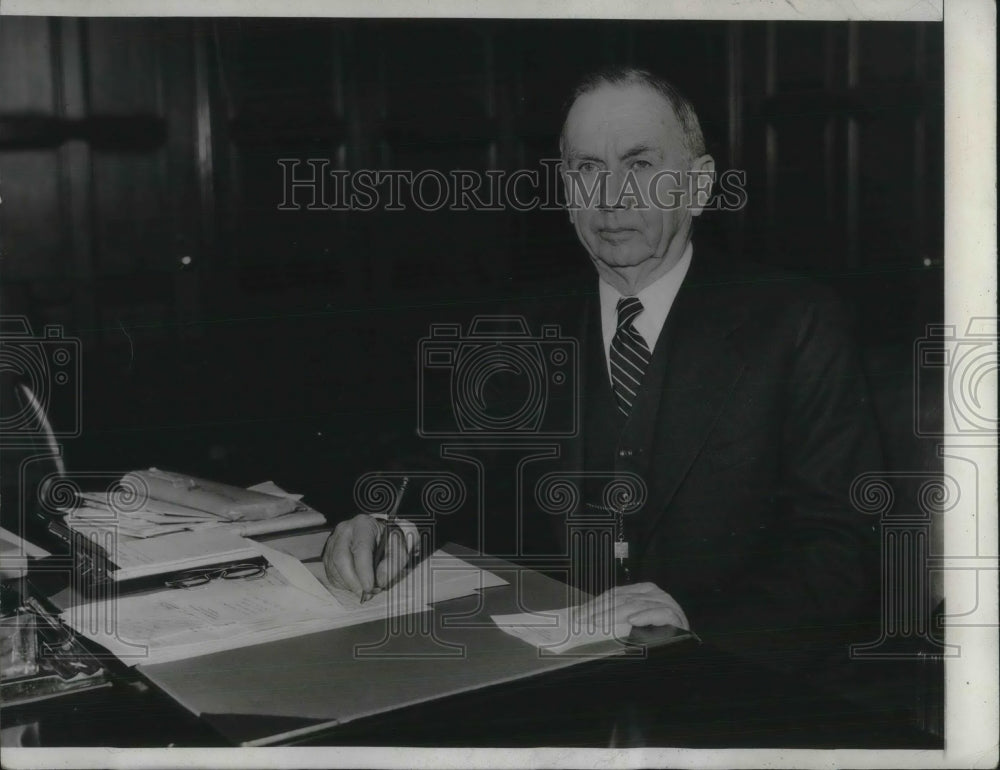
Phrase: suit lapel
(702, 369)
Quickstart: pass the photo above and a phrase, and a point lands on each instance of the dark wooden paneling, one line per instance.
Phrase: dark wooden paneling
(27, 82)
(98, 164)
(838, 128)
(800, 57)
(886, 52)
(32, 241)
(124, 75)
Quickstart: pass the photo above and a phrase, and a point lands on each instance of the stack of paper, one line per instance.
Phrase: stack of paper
(178, 552)
(152, 516)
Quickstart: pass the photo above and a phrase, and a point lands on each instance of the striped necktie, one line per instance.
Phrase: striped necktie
(629, 355)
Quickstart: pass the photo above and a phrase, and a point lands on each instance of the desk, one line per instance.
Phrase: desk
(285, 691)
(686, 694)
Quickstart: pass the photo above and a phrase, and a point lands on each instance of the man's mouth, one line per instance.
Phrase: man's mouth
(615, 234)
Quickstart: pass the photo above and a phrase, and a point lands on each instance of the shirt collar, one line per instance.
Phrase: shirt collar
(656, 299)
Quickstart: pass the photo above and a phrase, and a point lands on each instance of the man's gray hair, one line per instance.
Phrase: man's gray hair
(694, 139)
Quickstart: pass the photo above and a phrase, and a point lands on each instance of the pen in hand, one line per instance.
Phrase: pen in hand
(390, 524)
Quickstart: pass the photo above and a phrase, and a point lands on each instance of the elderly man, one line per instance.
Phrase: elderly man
(734, 394)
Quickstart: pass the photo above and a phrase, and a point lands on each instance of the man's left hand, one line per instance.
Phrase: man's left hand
(641, 604)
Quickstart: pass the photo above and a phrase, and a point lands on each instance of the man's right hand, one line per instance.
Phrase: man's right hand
(349, 551)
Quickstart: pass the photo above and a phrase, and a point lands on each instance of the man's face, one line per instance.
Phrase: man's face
(629, 137)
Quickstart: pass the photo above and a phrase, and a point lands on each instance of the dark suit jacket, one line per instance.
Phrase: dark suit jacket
(752, 423)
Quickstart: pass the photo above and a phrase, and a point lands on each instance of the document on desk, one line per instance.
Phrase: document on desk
(286, 601)
(435, 579)
(176, 623)
(562, 630)
(173, 624)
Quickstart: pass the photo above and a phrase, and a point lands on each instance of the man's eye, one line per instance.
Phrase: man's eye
(587, 167)
(641, 165)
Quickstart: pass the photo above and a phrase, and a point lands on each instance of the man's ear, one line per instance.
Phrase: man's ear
(702, 176)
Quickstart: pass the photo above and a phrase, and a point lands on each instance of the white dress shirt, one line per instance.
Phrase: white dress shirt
(656, 299)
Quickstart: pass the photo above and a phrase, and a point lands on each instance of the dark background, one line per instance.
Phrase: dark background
(286, 348)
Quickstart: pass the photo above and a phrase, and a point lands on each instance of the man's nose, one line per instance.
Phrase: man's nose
(611, 198)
